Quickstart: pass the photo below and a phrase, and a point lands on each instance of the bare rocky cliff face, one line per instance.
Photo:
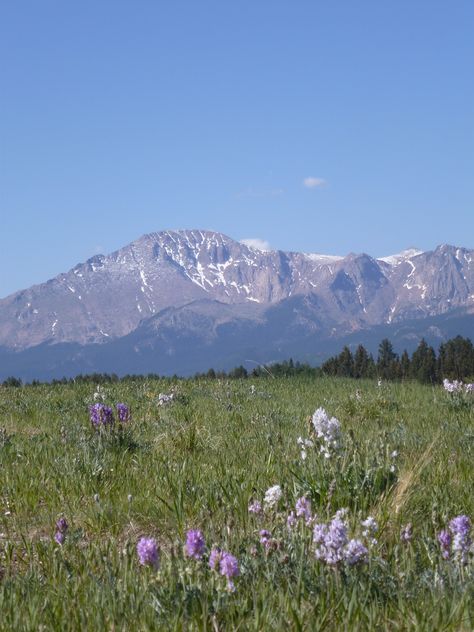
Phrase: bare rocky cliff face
(110, 297)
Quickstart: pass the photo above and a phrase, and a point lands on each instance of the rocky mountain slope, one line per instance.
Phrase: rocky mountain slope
(200, 285)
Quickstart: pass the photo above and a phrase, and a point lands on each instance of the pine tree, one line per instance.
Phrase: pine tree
(386, 359)
(361, 362)
(423, 363)
(405, 365)
(345, 363)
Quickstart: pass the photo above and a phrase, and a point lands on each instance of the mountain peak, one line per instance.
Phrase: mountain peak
(109, 296)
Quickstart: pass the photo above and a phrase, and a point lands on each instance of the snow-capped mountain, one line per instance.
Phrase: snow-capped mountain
(110, 297)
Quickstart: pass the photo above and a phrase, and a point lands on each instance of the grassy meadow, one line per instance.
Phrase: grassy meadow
(406, 456)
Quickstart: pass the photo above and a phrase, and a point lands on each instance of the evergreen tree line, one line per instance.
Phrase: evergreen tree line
(455, 360)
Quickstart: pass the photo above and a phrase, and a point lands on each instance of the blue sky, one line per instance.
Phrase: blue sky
(324, 126)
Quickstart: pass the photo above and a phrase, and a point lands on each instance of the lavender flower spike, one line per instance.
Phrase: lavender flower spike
(444, 539)
(460, 527)
(100, 414)
(123, 413)
(61, 528)
(355, 553)
(147, 551)
(255, 507)
(195, 544)
(229, 568)
(303, 508)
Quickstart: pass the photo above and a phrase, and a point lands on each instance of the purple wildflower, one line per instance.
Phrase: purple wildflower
(319, 533)
(147, 551)
(255, 507)
(123, 413)
(303, 508)
(100, 414)
(195, 544)
(444, 539)
(406, 533)
(291, 520)
(331, 540)
(229, 568)
(265, 537)
(61, 528)
(355, 552)
(460, 527)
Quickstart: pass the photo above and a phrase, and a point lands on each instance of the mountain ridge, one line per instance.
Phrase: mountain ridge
(109, 297)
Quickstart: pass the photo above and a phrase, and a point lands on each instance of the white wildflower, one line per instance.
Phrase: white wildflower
(328, 430)
(272, 496)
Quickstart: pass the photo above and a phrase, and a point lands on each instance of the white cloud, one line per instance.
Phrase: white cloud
(313, 183)
(255, 242)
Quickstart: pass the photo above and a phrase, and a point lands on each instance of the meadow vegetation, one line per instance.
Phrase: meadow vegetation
(76, 497)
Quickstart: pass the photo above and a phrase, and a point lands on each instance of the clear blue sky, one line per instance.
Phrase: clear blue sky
(121, 117)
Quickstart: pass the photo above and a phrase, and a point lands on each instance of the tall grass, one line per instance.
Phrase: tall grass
(197, 463)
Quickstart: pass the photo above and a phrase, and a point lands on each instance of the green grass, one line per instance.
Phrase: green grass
(196, 463)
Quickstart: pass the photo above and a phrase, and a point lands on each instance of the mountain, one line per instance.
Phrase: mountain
(182, 301)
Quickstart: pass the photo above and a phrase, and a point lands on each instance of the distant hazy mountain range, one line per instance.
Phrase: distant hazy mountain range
(183, 301)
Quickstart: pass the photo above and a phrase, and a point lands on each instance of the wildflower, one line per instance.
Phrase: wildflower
(303, 509)
(469, 388)
(333, 545)
(61, 528)
(272, 496)
(195, 544)
(452, 387)
(304, 444)
(291, 520)
(331, 539)
(255, 507)
(148, 553)
(355, 552)
(123, 413)
(328, 430)
(265, 537)
(370, 529)
(444, 539)
(341, 513)
(460, 527)
(165, 398)
(229, 568)
(215, 558)
(100, 414)
(99, 394)
(406, 533)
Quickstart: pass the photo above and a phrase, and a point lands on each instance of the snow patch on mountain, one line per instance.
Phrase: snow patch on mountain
(395, 260)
